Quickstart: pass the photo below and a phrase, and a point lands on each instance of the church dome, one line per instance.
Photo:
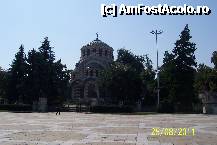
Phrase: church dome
(97, 43)
(97, 48)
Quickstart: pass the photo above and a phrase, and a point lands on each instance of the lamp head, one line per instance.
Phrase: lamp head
(152, 32)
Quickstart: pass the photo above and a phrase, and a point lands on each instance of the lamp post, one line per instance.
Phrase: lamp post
(156, 33)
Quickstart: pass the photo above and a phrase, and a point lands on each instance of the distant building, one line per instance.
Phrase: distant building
(95, 57)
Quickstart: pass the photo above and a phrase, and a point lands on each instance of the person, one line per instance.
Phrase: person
(58, 110)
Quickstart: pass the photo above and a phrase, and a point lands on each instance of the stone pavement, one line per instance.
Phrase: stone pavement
(103, 129)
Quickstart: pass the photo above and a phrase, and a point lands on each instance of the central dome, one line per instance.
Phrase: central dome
(97, 48)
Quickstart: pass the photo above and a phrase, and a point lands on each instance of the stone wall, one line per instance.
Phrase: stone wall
(209, 100)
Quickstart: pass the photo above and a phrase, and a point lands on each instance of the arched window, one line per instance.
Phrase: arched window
(106, 52)
(109, 53)
(100, 52)
(94, 50)
(91, 73)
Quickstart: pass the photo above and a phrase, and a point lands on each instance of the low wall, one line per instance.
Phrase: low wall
(209, 100)
(210, 108)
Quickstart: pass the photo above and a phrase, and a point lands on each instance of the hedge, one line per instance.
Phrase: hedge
(111, 109)
(15, 107)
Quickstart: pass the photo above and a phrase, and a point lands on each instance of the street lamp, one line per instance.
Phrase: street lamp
(156, 33)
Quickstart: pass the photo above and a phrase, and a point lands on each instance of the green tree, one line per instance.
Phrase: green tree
(18, 75)
(123, 84)
(3, 83)
(61, 82)
(54, 75)
(213, 76)
(167, 76)
(35, 75)
(38, 75)
(46, 51)
(130, 78)
(128, 58)
(214, 59)
(202, 78)
(148, 83)
(47, 70)
(178, 72)
(206, 77)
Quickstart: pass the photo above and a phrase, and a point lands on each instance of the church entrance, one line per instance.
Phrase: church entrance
(91, 90)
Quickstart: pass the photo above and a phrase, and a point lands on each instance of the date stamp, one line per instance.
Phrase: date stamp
(173, 131)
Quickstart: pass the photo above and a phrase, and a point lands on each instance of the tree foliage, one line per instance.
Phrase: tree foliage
(148, 83)
(38, 75)
(133, 61)
(3, 83)
(206, 77)
(123, 83)
(18, 75)
(178, 70)
(35, 80)
(128, 77)
(214, 59)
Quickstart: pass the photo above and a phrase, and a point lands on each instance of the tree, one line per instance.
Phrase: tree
(214, 59)
(148, 83)
(38, 75)
(123, 84)
(46, 51)
(47, 70)
(61, 82)
(179, 71)
(213, 77)
(3, 83)
(46, 77)
(35, 75)
(18, 75)
(167, 75)
(202, 78)
(206, 77)
(184, 51)
(128, 58)
(129, 79)
(55, 76)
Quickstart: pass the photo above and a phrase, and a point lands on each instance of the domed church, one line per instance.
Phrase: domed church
(95, 57)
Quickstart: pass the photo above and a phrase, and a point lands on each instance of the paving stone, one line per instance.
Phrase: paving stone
(71, 128)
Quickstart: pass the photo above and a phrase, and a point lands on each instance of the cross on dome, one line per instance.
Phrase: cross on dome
(97, 36)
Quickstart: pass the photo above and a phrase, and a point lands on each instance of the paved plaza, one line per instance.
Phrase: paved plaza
(71, 128)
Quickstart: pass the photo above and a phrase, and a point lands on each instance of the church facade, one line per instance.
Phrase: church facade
(95, 57)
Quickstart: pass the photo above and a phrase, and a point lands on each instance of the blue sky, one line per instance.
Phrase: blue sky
(70, 24)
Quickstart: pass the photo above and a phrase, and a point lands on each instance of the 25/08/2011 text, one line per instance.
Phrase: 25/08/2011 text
(173, 131)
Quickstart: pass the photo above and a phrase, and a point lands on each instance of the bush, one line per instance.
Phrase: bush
(15, 107)
(111, 109)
